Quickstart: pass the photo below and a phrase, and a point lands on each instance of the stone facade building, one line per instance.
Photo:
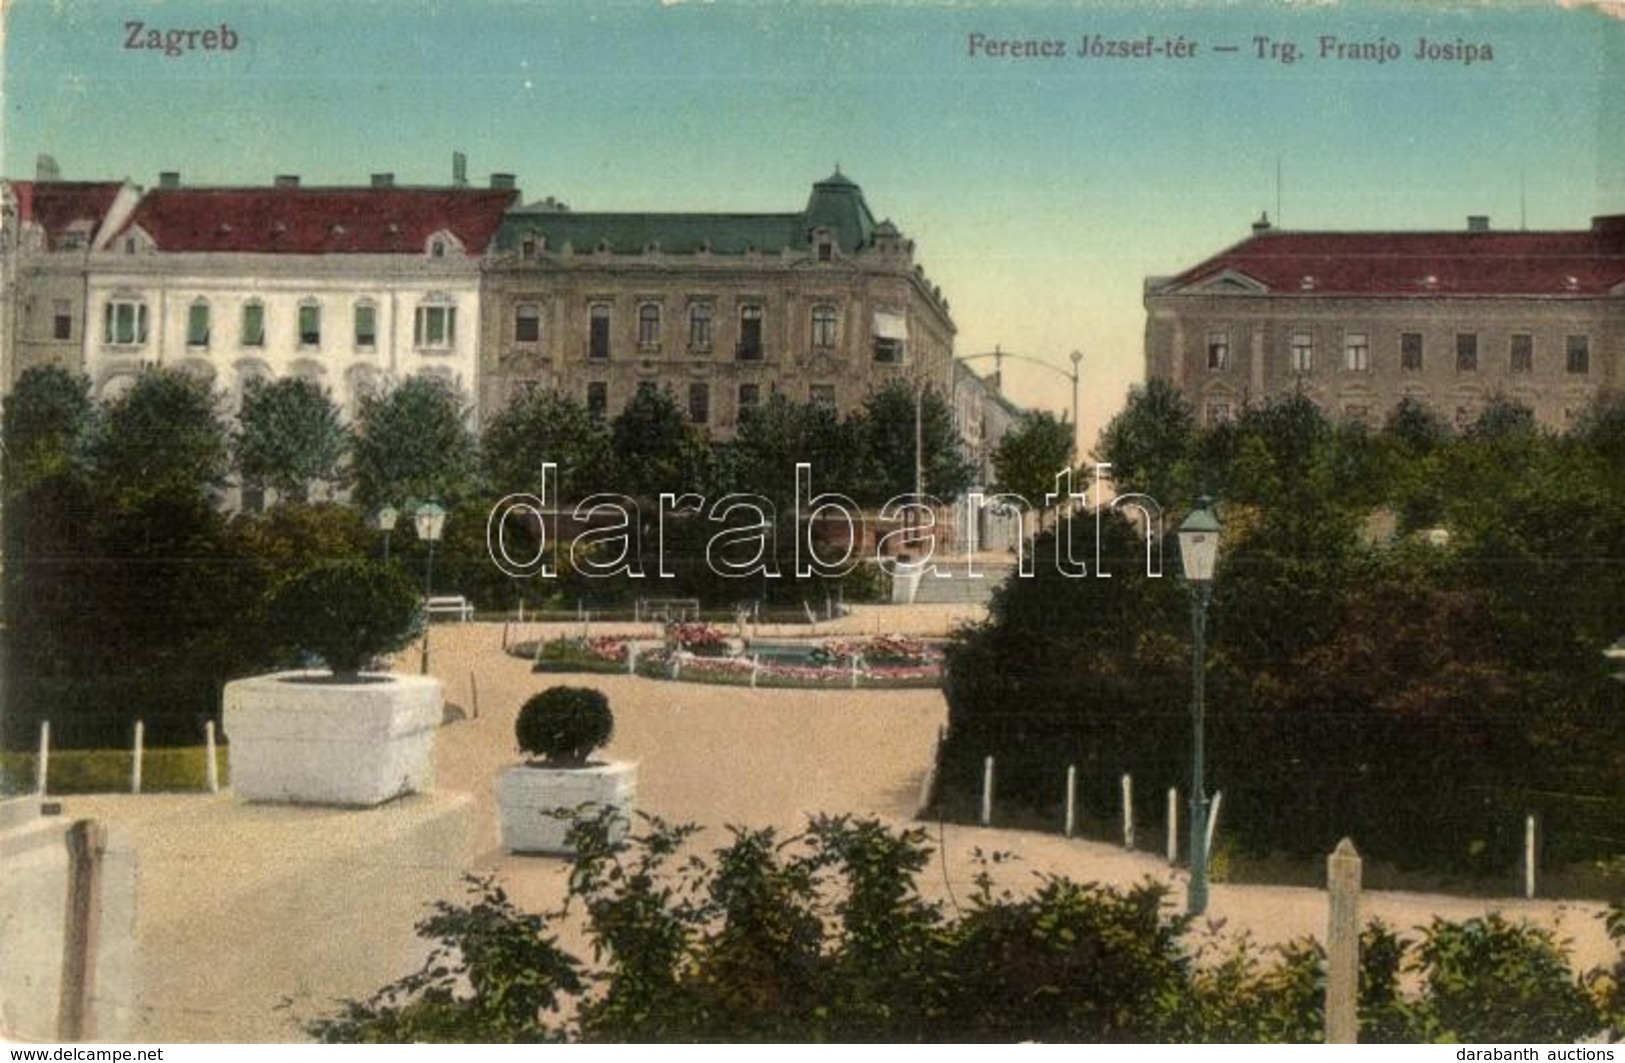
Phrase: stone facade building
(1359, 321)
(824, 304)
(350, 287)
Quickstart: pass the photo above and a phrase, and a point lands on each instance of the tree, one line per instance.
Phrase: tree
(413, 443)
(289, 435)
(547, 426)
(346, 612)
(774, 437)
(1029, 456)
(892, 442)
(1149, 445)
(163, 437)
(658, 449)
(48, 423)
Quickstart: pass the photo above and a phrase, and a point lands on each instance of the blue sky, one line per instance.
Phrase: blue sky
(1041, 192)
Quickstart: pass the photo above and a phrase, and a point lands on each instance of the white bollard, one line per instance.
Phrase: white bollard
(631, 658)
(1071, 799)
(855, 659)
(211, 767)
(1128, 811)
(135, 760)
(755, 668)
(1173, 825)
(1343, 945)
(1529, 840)
(1212, 822)
(987, 791)
(42, 770)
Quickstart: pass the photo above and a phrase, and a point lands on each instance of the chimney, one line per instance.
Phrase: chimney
(459, 169)
(502, 182)
(1262, 225)
(1478, 223)
(383, 180)
(46, 169)
(169, 179)
(287, 180)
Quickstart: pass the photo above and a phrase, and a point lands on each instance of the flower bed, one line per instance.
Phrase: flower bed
(743, 671)
(699, 653)
(575, 654)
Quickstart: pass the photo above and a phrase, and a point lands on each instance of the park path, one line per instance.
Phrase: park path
(241, 907)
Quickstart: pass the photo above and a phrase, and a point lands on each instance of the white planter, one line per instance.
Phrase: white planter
(324, 743)
(526, 794)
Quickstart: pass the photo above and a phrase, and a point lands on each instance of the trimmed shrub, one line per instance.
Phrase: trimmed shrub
(346, 612)
(563, 725)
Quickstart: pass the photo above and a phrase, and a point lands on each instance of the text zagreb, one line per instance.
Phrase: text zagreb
(138, 36)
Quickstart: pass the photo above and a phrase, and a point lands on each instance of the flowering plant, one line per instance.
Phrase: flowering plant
(697, 638)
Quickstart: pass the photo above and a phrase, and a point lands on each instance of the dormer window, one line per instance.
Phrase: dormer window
(442, 244)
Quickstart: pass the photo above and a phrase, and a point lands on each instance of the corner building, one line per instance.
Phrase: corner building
(1359, 321)
(721, 310)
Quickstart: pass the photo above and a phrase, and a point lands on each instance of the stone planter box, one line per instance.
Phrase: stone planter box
(526, 794)
(359, 744)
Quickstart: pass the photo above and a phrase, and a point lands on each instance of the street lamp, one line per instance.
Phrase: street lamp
(1000, 355)
(1198, 551)
(430, 521)
(384, 520)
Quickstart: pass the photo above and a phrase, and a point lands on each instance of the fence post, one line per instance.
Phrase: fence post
(87, 842)
(1173, 825)
(1531, 861)
(473, 696)
(211, 769)
(1212, 823)
(135, 759)
(755, 667)
(1128, 811)
(505, 624)
(42, 769)
(631, 657)
(1071, 799)
(1343, 945)
(855, 659)
(987, 791)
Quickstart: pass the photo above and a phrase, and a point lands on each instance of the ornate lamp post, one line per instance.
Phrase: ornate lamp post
(430, 521)
(1198, 552)
(384, 520)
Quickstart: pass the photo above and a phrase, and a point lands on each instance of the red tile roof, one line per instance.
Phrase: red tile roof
(1586, 263)
(320, 220)
(55, 205)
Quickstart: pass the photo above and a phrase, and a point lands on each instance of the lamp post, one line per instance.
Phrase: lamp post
(430, 521)
(385, 520)
(999, 355)
(1198, 551)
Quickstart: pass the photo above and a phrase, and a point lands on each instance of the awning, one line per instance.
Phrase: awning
(890, 326)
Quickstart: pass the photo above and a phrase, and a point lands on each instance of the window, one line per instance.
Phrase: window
(699, 403)
(597, 400)
(891, 333)
(1466, 352)
(527, 323)
(310, 325)
(436, 326)
(1356, 352)
(1578, 351)
(825, 326)
(1521, 353)
(437, 249)
(1218, 412)
(750, 396)
(126, 322)
(598, 331)
(253, 334)
(366, 326)
(1410, 351)
(699, 327)
(649, 327)
(1218, 350)
(750, 332)
(1303, 351)
(62, 321)
(197, 324)
(826, 251)
(822, 395)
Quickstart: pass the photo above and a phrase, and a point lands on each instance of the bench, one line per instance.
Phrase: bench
(449, 603)
(666, 609)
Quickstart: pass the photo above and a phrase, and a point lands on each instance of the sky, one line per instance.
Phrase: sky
(1040, 191)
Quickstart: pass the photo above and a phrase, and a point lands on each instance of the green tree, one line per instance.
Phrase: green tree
(547, 426)
(1150, 444)
(413, 443)
(163, 437)
(49, 421)
(900, 426)
(1030, 455)
(776, 435)
(289, 435)
(658, 449)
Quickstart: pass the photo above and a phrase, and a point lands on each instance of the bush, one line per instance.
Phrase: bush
(346, 612)
(563, 725)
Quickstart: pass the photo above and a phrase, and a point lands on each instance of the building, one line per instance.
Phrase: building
(1359, 321)
(824, 304)
(350, 287)
(48, 230)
